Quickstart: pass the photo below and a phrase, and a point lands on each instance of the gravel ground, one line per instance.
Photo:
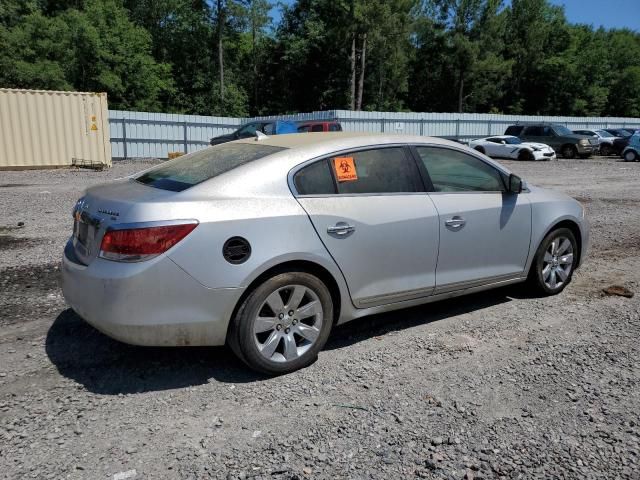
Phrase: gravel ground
(495, 385)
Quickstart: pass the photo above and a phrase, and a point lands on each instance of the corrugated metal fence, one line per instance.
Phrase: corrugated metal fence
(142, 134)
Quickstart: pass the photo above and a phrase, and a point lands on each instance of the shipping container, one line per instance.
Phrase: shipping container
(50, 129)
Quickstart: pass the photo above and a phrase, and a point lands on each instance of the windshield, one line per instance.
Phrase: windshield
(513, 140)
(562, 130)
(189, 170)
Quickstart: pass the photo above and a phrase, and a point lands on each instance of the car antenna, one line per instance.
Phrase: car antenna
(260, 136)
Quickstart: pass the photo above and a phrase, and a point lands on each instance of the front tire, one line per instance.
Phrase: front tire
(569, 151)
(525, 156)
(630, 156)
(282, 325)
(606, 150)
(554, 263)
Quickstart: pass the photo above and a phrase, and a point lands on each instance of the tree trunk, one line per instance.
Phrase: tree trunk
(352, 92)
(255, 60)
(461, 92)
(363, 55)
(220, 48)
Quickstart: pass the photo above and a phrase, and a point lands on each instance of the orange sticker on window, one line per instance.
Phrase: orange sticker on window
(345, 169)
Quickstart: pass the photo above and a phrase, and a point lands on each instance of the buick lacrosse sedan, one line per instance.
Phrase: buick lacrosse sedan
(265, 244)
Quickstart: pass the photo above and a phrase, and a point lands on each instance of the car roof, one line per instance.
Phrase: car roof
(334, 141)
(265, 175)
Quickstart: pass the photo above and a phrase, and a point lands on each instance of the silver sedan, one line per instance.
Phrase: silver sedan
(265, 244)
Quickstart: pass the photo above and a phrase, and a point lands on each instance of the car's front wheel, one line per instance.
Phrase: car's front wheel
(569, 151)
(606, 150)
(630, 156)
(283, 323)
(554, 263)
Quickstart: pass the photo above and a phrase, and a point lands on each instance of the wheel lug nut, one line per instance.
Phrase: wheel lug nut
(281, 316)
(291, 313)
(294, 321)
(286, 330)
(278, 327)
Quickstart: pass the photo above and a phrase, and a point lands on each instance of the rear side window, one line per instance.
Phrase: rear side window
(514, 130)
(453, 171)
(189, 170)
(534, 131)
(315, 179)
(383, 170)
(317, 128)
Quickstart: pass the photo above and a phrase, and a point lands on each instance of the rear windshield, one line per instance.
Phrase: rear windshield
(184, 172)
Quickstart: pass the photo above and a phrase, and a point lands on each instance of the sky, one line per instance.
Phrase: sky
(606, 13)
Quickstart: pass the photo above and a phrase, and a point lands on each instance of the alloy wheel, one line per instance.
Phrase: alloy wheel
(288, 323)
(557, 263)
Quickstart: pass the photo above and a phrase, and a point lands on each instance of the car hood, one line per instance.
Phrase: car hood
(536, 145)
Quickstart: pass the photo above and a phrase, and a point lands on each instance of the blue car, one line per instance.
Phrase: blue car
(632, 152)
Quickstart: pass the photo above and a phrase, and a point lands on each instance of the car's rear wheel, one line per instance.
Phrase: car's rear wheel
(480, 149)
(630, 156)
(283, 323)
(569, 151)
(554, 263)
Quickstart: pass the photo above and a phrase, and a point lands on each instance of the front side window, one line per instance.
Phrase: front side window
(381, 170)
(534, 131)
(189, 170)
(317, 128)
(453, 171)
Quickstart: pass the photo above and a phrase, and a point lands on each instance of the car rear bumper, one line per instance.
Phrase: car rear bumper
(153, 303)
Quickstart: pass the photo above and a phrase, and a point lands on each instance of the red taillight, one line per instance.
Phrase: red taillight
(137, 244)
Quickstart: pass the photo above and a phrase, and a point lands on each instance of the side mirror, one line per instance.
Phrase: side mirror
(515, 184)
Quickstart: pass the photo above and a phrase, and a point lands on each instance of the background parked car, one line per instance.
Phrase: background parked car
(507, 146)
(319, 126)
(605, 139)
(559, 137)
(632, 152)
(268, 127)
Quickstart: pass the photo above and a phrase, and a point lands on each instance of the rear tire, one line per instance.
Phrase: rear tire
(554, 263)
(480, 149)
(283, 323)
(569, 151)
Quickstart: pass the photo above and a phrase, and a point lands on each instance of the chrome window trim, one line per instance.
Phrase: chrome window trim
(302, 165)
(326, 156)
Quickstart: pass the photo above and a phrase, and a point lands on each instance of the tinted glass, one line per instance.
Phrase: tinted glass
(534, 131)
(303, 129)
(514, 130)
(248, 130)
(335, 127)
(317, 128)
(513, 141)
(562, 130)
(453, 171)
(315, 179)
(384, 170)
(184, 172)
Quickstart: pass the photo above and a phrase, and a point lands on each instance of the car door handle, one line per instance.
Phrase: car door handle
(455, 223)
(341, 229)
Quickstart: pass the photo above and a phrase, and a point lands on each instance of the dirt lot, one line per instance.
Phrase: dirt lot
(496, 385)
